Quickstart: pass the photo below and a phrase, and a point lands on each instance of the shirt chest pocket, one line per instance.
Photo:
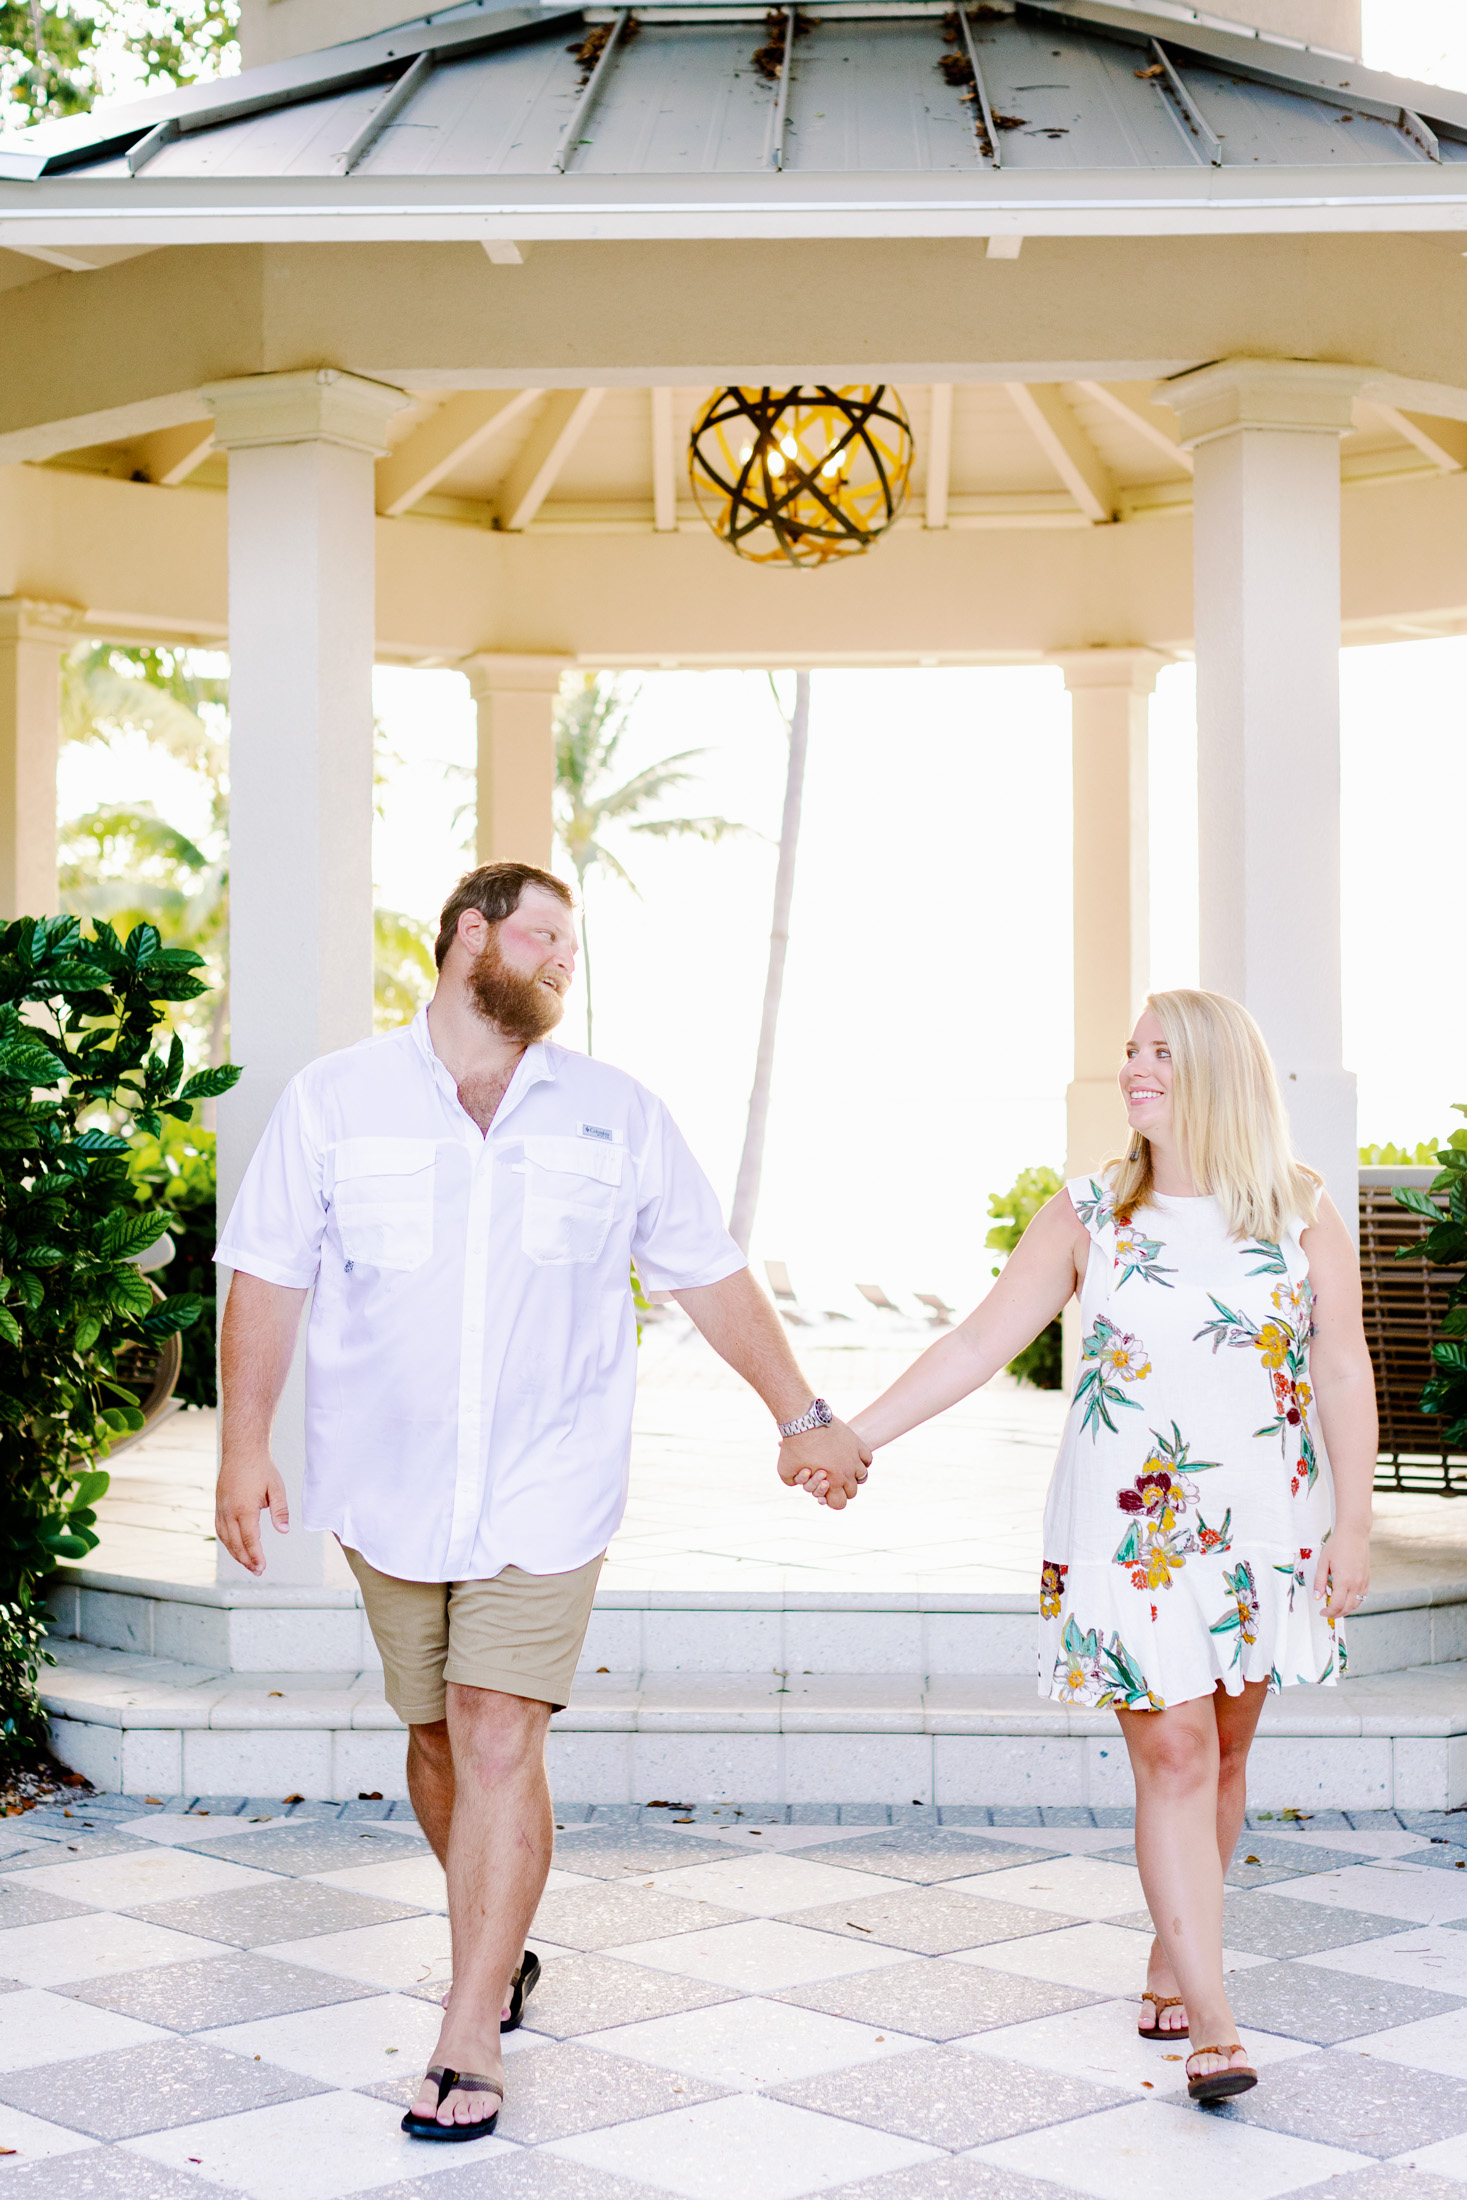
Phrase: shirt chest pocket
(384, 1200)
(570, 1198)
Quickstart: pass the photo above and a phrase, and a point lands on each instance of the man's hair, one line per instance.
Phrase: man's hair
(494, 890)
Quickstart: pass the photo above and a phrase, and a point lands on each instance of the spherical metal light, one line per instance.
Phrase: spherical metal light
(801, 476)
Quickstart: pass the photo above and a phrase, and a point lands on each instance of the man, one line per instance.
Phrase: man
(466, 1202)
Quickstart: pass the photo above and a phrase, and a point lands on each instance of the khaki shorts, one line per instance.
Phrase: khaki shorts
(520, 1633)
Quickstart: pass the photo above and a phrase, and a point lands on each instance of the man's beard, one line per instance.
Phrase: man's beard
(521, 1008)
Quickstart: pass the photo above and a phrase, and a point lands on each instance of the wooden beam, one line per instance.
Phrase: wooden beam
(169, 455)
(664, 465)
(939, 454)
(1444, 442)
(1147, 423)
(443, 441)
(556, 433)
(1043, 409)
(504, 252)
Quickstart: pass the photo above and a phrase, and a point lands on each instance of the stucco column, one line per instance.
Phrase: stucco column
(32, 637)
(1266, 532)
(301, 625)
(515, 697)
(1109, 690)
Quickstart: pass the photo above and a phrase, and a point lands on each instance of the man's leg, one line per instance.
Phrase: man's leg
(498, 1857)
(430, 1783)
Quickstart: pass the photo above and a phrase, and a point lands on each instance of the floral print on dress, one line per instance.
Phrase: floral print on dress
(1241, 1617)
(1051, 1588)
(1096, 1208)
(1098, 1674)
(1136, 1254)
(1168, 1519)
(1282, 1344)
(1163, 1537)
(1111, 1356)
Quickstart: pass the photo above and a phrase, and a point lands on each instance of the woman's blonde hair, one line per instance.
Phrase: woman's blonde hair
(1228, 1117)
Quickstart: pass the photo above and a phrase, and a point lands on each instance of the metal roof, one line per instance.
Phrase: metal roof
(1022, 103)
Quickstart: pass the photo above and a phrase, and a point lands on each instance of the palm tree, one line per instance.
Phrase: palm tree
(751, 1161)
(589, 723)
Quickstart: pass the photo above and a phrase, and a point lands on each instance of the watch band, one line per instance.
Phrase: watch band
(816, 1415)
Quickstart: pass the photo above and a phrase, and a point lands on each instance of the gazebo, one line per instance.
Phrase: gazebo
(389, 349)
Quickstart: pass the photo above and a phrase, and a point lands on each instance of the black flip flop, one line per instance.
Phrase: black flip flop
(526, 1979)
(428, 2127)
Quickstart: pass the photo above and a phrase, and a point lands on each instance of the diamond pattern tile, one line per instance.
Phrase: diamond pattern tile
(875, 2010)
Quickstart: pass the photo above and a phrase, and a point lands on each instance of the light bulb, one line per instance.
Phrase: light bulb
(776, 463)
(789, 446)
(832, 465)
(746, 454)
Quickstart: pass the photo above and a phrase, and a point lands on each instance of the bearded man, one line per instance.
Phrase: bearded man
(465, 1201)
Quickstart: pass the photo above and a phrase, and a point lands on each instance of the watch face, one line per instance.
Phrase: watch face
(823, 1413)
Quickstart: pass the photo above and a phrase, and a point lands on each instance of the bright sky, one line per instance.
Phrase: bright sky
(924, 1047)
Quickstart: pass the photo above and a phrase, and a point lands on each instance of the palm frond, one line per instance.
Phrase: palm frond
(711, 829)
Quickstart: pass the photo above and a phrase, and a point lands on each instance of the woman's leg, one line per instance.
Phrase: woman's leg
(1175, 1757)
(1237, 1720)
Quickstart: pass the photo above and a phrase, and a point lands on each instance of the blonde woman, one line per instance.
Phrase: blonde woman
(1208, 1522)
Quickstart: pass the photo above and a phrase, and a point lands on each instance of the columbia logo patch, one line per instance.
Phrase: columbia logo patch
(597, 1130)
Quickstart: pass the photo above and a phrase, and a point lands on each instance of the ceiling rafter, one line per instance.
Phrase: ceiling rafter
(169, 455)
(664, 464)
(442, 442)
(1046, 412)
(939, 455)
(567, 415)
(1138, 416)
(1444, 442)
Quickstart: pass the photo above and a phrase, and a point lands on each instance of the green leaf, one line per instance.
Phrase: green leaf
(88, 1330)
(1419, 1203)
(91, 1487)
(123, 1420)
(123, 1235)
(1450, 1353)
(180, 1311)
(129, 1293)
(207, 1084)
(143, 943)
(9, 1327)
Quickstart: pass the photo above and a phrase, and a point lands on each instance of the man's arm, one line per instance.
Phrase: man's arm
(256, 1345)
(743, 1328)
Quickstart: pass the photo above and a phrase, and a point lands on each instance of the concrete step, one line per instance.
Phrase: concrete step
(254, 1628)
(150, 1725)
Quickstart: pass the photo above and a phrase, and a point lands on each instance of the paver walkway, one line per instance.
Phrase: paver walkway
(895, 2005)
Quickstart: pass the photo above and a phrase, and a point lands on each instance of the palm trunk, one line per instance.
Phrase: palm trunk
(751, 1162)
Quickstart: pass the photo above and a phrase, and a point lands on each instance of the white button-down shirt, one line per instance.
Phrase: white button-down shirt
(471, 1351)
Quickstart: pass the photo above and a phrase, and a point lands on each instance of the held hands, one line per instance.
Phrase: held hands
(830, 1463)
(249, 1485)
(1342, 1574)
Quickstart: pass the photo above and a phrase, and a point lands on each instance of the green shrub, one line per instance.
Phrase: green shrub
(1421, 1156)
(78, 1017)
(1040, 1363)
(1445, 1245)
(176, 1171)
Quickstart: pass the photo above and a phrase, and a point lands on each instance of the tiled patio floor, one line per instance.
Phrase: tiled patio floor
(890, 2004)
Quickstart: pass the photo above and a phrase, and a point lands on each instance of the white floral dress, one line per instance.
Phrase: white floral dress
(1192, 1493)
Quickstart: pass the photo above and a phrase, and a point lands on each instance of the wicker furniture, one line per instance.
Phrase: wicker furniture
(1404, 1304)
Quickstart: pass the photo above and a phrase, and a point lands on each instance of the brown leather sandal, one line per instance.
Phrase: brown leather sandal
(1155, 2031)
(1219, 2085)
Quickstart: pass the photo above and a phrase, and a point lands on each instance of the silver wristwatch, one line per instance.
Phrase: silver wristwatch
(816, 1415)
